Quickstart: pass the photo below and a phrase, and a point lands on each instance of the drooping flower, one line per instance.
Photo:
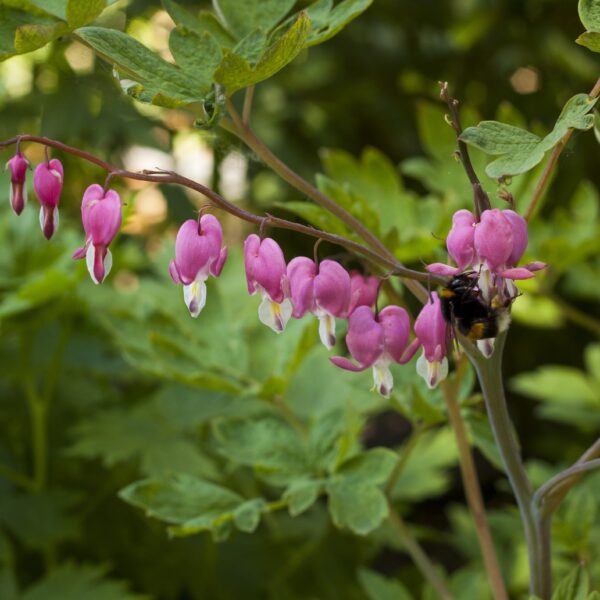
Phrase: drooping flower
(101, 217)
(323, 290)
(376, 341)
(431, 331)
(198, 254)
(491, 247)
(363, 290)
(47, 183)
(18, 190)
(266, 273)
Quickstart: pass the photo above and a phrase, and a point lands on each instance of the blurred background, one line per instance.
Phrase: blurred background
(120, 365)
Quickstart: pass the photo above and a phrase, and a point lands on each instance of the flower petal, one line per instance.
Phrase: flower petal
(442, 269)
(348, 365)
(383, 380)
(517, 273)
(327, 330)
(432, 371)
(274, 314)
(194, 296)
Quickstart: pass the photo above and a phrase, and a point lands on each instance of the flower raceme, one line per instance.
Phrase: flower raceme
(47, 183)
(18, 191)
(101, 217)
(323, 289)
(431, 330)
(377, 340)
(198, 254)
(266, 273)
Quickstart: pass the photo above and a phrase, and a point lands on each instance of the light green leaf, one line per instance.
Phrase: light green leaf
(378, 587)
(81, 12)
(159, 81)
(252, 46)
(190, 504)
(589, 13)
(198, 55)
(520, 150)
(559, 384)
(268, 444)
(72, 582)
(483, 438)
(205, 22)
(247, 515)
(373, 466)
(32, 36)
(301, 495)
(590, 39)
(316, 216)
(592, 360)
(327, 24)
(236, 73)
(574, 586)
(242, 17)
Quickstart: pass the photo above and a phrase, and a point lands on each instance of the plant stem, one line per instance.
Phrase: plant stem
(418, 555)
(247, 110)
(547, 172)
(473, 493)
(245, 133)
(489, 373)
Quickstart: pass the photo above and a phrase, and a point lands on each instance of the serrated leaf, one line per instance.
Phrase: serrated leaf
(190, 504)
(236, 72)
(205, 22)
(589, 39)
(574, 586)
(301, 495)
(378, 587)
(72, 582)
(251, 47)
(335, 20)
(373, 466)
(198, 55)
(268, 444)
(356, 505)
(160, 82)
(243, 17)
(247, 515)
(82, 12)
(520, 150)
(589, 13)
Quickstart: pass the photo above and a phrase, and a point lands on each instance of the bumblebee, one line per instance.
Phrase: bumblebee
(464, 308)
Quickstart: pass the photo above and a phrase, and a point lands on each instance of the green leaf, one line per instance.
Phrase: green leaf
(268, 444)
(189, 504)
(32, 36)
(589, 39)
(316, 216)
(589, 13)
(71, 582)
(574, 586)
(81, 12)
(159, 81)
(243, 17)
(198, 55)
(378, 587)
(301, 495)
(373, 466)
(247, 515)
(329, 24)
(483, 438)
(520, 150)
(356, 505)
(205, 22)
(236, 73)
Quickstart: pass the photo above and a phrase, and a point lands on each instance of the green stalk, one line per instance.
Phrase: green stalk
(489, 373)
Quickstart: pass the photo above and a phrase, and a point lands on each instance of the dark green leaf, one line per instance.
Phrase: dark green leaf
(329, 24)
(590, 39)
(198, 55)
(205, 22)
(81, 12)
(378, 587)
(301, 495)
(589, 13)
(243, 17)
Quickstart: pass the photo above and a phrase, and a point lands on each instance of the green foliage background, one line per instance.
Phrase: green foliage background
(278, 458)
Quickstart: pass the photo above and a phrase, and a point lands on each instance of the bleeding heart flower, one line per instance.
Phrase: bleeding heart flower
(266, 273)
(431, 330)
(18, 190)
(363, 290)
(198, 254)
(101, 217)
(323, 290)
(376, 341)
(47, 183)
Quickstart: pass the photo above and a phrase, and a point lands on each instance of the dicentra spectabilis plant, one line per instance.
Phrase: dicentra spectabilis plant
(458, 307)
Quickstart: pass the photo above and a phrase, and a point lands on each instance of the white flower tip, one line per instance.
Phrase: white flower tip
(486, 347)
(383, 380)
(327, 330)
(432, 372)
(274, 315)
(194, 296)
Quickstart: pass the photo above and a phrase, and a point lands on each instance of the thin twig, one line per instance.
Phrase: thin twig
(481, 199)
(547, 172)
(247, 110)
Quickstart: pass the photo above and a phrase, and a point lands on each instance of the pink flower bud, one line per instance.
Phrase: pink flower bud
(431, 331)
(266, 273)
(494, 239)
(47, 183)
(323, 290)
(18, 190)
(198, 254)
(460, 240)
(101, 217)
(363, 290)
(377, 341)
